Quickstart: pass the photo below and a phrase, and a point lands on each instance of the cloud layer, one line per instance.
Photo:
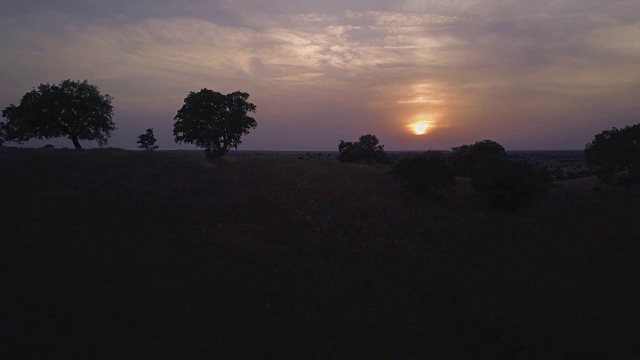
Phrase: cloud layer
(535, 75)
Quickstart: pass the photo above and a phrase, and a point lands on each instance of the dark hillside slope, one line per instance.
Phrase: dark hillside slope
(120, 254)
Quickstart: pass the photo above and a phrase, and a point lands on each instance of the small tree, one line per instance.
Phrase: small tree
(147, 141)
(466, 158)
(366, 149)
(507, 184)
(614, 156)
(214, 121)
(425, 172)
(73, 109)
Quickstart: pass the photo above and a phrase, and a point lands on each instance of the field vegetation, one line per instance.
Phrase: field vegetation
(109, 253)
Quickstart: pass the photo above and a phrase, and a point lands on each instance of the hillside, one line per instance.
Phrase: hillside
(121, 254)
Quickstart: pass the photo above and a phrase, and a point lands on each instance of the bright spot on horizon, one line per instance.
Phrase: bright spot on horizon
(420, 128)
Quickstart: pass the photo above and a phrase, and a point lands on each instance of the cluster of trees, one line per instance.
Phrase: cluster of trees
(500, 181)
(77, 110)
(216, 122)
(503, 183)
(366, 150)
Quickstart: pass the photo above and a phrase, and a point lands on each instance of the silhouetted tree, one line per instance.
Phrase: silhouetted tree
(214, 121)
(2, 134)
(614, 156)
(366, 149)
(424, 173)
(466, 158)
(507, 184)
(73, 109)
(147, 141)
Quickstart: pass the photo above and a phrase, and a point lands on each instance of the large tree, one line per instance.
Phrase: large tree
(75, 109)
(214, 121)
(614, 156)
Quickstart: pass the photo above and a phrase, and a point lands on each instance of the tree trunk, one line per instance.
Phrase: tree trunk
(222, 152)
(76, 143)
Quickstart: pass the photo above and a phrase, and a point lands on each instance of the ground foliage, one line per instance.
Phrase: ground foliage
(508, 184)
(423, 173)
(120, 254)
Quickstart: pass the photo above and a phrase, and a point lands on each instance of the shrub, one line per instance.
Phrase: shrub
(424, 173)
(614, 156)
(584, 173)
(466, 158)
(558, 174)
(508, 184)
(366, 149)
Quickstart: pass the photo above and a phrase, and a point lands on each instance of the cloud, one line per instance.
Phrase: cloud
(510, 70)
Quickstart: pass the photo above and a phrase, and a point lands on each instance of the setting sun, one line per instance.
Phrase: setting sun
(420, 128)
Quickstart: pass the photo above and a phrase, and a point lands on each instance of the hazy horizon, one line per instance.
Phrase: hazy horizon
(532, 76)
(62, 144)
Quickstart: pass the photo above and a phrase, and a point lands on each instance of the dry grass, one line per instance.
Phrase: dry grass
(118, 254)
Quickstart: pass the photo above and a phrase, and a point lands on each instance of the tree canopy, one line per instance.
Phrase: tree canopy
(147, 141)
(614, 156)
(466, 158)
(367, 149)
(75, 109)
(214, 121)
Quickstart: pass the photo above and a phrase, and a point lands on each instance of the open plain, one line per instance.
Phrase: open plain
(123, 254)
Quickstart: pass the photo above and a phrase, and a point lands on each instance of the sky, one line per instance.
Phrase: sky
(532, 75)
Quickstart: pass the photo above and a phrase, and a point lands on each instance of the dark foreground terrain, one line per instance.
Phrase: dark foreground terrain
(109, 254)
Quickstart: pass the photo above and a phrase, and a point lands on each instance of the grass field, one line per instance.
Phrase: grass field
(120, 254)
